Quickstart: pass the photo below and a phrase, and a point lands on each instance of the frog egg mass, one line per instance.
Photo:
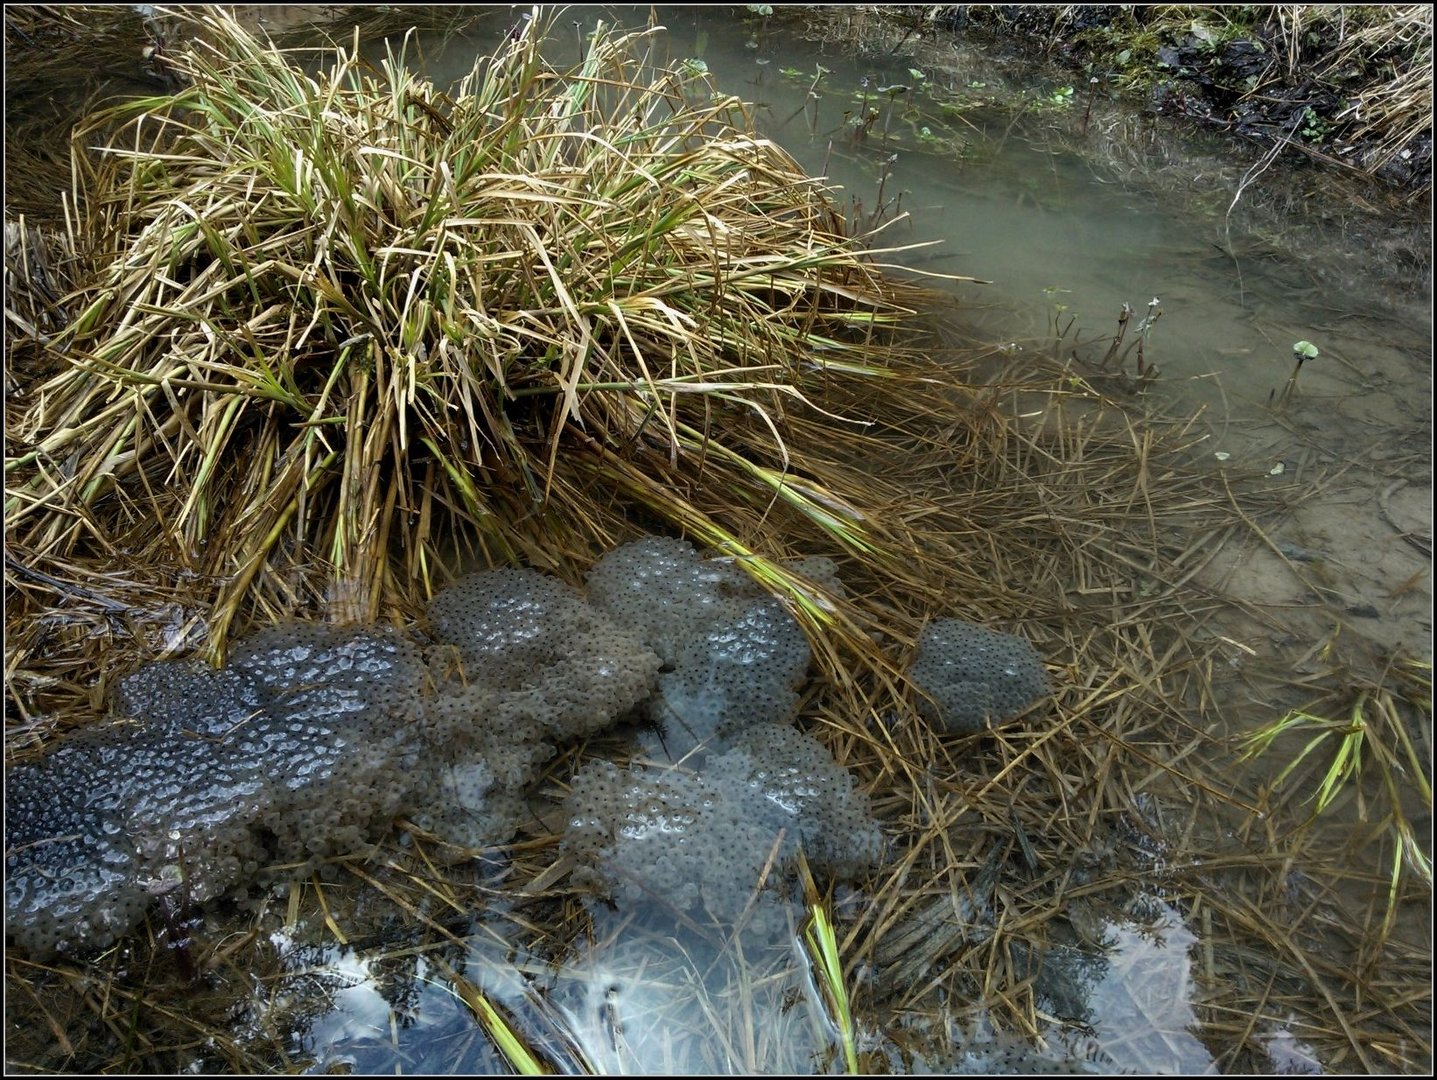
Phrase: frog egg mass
(975, 676)
(315, 738)
(700, 840)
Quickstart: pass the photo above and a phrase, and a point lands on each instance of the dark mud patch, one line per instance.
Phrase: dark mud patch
(1348, 88)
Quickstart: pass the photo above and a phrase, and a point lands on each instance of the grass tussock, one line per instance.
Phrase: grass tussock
(326, 326)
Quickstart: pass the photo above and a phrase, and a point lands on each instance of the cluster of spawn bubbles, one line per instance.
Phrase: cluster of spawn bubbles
(719, 831)
(720, 838)
(313, 739)
(305, 746)
(975, 677)
(733, 654)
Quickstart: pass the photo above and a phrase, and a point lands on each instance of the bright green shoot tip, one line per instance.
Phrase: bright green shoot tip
(1346, 761)
(821, 940)
(508, 1041)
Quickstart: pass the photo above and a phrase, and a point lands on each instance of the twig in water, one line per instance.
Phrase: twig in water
(1417, 540)
(1258, 168)
(1118, 337)
(1088, 112)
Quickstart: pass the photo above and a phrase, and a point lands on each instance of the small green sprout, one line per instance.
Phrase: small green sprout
(820, 939)
(1302, 351)
(1314, 127)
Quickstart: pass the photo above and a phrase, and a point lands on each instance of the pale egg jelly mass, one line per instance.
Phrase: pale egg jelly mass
(314, 738)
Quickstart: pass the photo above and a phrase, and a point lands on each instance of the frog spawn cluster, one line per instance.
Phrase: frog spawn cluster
(307, 745)
(287, 754)
(750, 789)
(733, 655)
(718, 838)
(314, 738)
(974, 677)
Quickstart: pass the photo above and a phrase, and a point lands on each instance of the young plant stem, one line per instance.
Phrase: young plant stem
(1088, 112)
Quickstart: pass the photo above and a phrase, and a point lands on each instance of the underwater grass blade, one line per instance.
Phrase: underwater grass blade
(821, 941)
(495, 1025)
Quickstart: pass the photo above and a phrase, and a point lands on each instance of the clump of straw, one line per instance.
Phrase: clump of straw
(333, 321)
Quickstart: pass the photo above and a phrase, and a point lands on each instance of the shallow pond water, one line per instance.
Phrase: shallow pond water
(1066, 226)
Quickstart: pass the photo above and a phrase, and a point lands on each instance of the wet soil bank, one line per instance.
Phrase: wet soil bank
(1347, 86)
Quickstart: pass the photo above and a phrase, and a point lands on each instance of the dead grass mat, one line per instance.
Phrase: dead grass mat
(1084, 535)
